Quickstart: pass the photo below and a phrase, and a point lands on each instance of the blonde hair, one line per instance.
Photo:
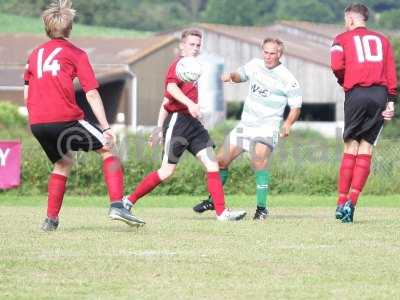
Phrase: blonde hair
(191, 31)
(275, 41)
(58, 19)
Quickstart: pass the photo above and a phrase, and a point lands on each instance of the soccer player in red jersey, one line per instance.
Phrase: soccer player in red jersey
(363, 62)
(182, 130)
(56, 120)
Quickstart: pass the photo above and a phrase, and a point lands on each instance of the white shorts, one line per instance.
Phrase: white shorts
(246, 137)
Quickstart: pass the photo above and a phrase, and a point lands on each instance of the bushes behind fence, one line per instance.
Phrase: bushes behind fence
(304, 164)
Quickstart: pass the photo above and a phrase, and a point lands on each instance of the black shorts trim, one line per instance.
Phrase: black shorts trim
(183, 132)
(363, 109)
(57, 139)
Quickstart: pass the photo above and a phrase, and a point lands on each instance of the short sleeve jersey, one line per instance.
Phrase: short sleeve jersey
(188, 88)
(270, 90)
(50, 72)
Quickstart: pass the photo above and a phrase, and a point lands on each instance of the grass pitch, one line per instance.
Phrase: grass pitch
(300, 252)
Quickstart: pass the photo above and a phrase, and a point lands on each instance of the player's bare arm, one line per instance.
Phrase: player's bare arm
(96, 104)
(176, 92)
(291, 119)
(26, 90)
(232, 77)
(157, 134)
(388, 113)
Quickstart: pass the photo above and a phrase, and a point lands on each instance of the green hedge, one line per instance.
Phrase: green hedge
(304, 164)
(9, 116)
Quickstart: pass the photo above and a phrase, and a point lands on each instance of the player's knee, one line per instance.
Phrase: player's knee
(212, 166)
(63, 166)
(260, 164)
(165, 172)
(222, 164)
(223, 160)
(104, 153)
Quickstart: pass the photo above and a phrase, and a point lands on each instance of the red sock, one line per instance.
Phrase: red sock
(114, 178)
(345, 176)
(145, 186)
(56, 189)
(360, 176)
(216, 191)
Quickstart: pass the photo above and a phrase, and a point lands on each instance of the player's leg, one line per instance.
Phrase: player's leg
(149, 183)
(354, 117)
(373, 100)
(361, 170)
(55, 192)
(225, 156)
(48, 135)
(260, 155)
(207, 157)
(82, 135)
(345, 177)
(174, 146)
(114, 179)
(360, 175)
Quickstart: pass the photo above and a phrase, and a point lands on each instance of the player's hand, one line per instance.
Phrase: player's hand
(156, 137)
(110, 138)
(226, 77)
(285, 131)
(194, 110)
(388, 113)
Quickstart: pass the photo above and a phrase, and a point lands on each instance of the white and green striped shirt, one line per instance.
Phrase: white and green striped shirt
(270, 90)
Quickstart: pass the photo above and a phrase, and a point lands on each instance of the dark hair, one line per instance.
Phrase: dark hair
(192, 31)
(359, 9)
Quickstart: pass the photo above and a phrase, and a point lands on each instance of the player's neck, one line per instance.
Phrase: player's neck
(358, 25)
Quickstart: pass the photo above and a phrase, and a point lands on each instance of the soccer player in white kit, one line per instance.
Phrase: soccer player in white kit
(271, 87)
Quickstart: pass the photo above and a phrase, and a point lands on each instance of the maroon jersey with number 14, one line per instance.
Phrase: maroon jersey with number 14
(362, 57)
(50, 72)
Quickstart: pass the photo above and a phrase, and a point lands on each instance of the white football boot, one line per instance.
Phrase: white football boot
(229, 215)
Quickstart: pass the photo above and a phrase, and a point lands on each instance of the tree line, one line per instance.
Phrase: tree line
(158, 15)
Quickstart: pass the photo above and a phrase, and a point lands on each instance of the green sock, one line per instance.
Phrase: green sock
(224, 175)
(262, 181)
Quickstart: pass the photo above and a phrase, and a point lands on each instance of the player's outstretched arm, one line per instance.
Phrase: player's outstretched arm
(232, 77)
(176, 92)
(293, 116)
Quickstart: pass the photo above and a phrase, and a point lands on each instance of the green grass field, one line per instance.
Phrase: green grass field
(20, 24)
(300, 252)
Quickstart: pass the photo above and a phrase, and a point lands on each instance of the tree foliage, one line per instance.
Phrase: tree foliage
(155, 15)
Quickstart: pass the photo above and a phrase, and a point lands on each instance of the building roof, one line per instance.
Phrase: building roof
(109, 56)
(306, 40)
(310, 46)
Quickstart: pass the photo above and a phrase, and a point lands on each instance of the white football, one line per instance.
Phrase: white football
(188, 69)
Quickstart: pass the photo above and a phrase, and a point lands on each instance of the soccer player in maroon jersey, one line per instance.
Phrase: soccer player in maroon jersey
(182, 130)
(363, 62)
(56, 120)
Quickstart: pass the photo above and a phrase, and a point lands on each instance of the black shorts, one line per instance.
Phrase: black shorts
(183, 132)
(57, 139)
(363, 109)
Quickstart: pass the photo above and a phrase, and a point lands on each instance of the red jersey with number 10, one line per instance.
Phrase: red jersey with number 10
(363, 57)
(50, 72)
